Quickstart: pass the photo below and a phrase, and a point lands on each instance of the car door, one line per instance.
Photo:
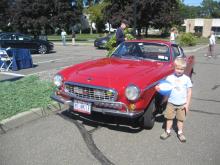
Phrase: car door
(25, 41)
(8, 40)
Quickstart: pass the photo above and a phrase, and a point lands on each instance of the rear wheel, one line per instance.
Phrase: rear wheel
(42, 49)
(148, 119)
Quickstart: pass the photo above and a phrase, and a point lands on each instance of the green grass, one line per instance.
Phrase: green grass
(79, 37)
(22, 95)
(89, 37)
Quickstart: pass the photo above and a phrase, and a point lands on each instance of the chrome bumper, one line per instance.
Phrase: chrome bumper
(107, 111)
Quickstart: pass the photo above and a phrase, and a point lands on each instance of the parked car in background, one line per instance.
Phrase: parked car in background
(18, 40)
(101, 42)
(123, 84)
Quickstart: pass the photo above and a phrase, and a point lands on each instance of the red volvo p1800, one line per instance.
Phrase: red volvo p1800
(123, 84)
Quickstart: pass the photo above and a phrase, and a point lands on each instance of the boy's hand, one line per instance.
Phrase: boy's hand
(157, 88)
(186, 108)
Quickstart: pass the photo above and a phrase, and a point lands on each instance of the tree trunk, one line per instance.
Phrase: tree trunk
(146, 31)
(139, 32)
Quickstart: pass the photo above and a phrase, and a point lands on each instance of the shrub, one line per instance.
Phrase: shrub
(187, 39)
(111, 44)
(198, 34)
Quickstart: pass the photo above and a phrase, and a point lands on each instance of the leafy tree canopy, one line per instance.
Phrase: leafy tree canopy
(35, 16)
(4, 15)
(95, 12)
(144, 13)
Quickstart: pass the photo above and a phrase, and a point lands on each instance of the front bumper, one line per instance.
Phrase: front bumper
(107, 111)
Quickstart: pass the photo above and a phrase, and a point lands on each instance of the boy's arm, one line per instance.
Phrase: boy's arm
(188, 99)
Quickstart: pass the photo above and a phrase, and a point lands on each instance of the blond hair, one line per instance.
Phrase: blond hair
(180, 62)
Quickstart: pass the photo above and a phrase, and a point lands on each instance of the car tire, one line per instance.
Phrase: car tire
(148, 119)
(42, 49)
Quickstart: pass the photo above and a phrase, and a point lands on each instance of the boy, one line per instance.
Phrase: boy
(179, 99)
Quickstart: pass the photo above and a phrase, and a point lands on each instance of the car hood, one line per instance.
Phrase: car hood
(113, 72)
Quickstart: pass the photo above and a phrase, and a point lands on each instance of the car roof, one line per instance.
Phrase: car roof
(152, 41)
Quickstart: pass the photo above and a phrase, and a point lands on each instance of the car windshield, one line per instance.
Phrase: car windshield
(143, 50)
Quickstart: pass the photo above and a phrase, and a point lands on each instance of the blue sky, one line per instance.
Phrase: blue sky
(193, 2)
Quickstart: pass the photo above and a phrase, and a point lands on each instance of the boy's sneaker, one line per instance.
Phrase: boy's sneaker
(165, 135)
(182, 138)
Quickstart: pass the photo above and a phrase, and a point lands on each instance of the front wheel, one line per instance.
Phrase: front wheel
(42, 49)
(148, 119)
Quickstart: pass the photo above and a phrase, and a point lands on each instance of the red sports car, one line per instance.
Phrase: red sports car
(123, 84)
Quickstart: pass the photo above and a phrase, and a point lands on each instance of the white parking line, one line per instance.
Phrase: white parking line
(12, 74)
(58, 59)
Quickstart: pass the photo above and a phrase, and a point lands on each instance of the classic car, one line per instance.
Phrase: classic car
(123, 84)
(18, 40)
(101, 42)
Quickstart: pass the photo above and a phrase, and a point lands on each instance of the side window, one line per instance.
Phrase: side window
(6, 37)
(175, 51)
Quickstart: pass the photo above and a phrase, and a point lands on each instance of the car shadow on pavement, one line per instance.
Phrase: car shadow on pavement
(98, 120)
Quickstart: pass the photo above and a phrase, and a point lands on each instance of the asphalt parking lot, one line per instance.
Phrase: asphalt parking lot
(61, 57)
(61, 139)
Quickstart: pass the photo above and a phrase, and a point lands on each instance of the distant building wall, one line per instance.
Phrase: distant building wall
(203, 26)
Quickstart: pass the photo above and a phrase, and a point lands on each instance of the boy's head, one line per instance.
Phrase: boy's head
(180, 65)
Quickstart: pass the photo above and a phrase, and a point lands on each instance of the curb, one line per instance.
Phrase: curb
(28, 116)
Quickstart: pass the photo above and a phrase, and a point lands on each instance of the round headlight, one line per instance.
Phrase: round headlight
(132, 92)
(58, 79)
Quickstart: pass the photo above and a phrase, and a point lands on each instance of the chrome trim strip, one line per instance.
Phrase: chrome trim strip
(153, 84)
(102, 110)
(94, 87)
(94, 101)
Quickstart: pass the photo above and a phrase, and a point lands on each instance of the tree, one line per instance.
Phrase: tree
(35, 16)
(187, 12)
(144, 13)
(66, 16)
(211, 9)
(4, 15)
(95, 12)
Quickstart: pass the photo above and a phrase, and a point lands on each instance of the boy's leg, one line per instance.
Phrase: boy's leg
(169, 114)
(180, 135)
(181, 117)
(180, 127)
(169, 125)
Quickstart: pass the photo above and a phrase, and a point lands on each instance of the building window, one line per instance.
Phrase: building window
(198, 31)
(216, 30)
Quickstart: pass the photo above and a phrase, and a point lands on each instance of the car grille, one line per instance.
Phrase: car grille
(90, 92)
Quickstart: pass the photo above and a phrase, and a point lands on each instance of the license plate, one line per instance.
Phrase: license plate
(82, 106)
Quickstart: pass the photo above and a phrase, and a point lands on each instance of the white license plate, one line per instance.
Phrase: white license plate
(82, 106)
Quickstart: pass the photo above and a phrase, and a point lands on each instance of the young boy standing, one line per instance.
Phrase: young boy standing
(179, 99)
